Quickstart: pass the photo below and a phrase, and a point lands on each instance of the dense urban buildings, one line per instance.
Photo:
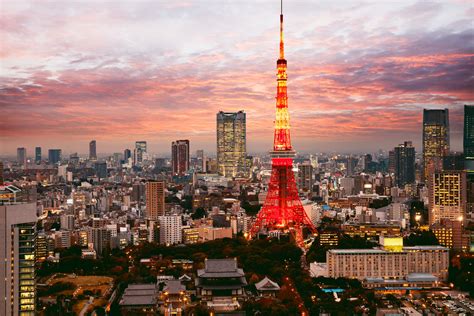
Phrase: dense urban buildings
(231, 144)
(17, 274)
(180, 157)
(366, 230)
(435, 140)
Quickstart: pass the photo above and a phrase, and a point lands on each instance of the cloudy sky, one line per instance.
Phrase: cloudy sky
(360, 72)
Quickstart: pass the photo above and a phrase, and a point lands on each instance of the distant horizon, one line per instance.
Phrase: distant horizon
(359, 73)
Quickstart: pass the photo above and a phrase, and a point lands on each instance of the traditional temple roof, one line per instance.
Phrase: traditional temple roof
(221, 268)
(267, 285)
(174, 287)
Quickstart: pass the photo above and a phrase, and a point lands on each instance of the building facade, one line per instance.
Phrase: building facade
(139, 151)
(404, 164)
(21, 156)
(380, 263)
(93, 150)
(170, 229)
(155, 199)
(435, 140)
(17, 272)
(38, 155)
(231, 144)
(54, 156)
(180, 157)
(447, 196)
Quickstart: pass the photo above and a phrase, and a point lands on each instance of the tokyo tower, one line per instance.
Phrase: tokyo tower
(282, 209)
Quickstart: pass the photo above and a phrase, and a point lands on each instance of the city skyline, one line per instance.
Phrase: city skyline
(358, 81)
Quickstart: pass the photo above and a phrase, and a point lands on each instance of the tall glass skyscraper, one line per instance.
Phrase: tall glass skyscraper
(38, 155)
(231, 144)
(180, 156)
(54, 156)
(468, 145)
(435, 141)
(404, 164)
(17, 274)
(469, 139)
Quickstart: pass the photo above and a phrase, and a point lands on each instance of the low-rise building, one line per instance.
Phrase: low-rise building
(221, 284)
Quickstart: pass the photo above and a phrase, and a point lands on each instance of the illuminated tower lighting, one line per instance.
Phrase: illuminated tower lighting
(282, 209)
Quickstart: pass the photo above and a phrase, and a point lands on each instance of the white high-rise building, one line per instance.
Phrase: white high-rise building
(170, 229)
(17, 269)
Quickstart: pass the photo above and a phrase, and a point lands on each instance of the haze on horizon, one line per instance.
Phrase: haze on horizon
(359, 72)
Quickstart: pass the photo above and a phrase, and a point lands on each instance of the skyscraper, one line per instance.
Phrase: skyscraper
(38, 155)
(93, 150)
(21, 156)
(468, 145)
(231, 143)
(155, 199)
(127, 153)
(180, 156)
(404, 164)
(54, 156)
(435, 140)
(139, 151)
(447, 196)
(17, 272)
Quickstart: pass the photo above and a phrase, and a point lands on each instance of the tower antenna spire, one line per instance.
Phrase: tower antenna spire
(282, 47)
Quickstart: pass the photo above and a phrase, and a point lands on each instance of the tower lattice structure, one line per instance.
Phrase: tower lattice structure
(282, 209)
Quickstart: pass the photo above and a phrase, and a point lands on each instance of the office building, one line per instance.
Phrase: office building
(100, 238)
(93, 150)
(404, 164)
(127, 153)
(180, 157)
(305, 177)
(101, 169)
(386, 264)
(21, 156)
(453, 161)
(139, 152)
(468, 140)
(67, 221)
(468, 145)
(155, 199)
(17, 272)
(447, 196)
(435, 140)
(231, 144)
(450, 234)
(54, 156)
(170, 229)
(38, 155)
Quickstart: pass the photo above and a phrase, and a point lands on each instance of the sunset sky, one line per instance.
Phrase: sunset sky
(359, 72)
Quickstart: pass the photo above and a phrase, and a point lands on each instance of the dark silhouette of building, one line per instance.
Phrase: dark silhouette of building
(93, 150)
(404, 164)
(21, 156)
(38, 155)
(54, 156)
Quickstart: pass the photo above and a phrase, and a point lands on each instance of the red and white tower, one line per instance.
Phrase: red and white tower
(282, 209)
